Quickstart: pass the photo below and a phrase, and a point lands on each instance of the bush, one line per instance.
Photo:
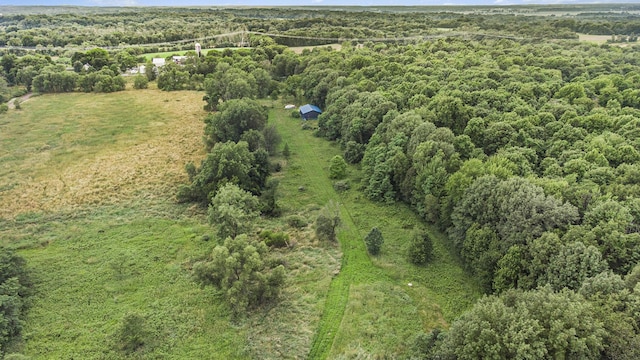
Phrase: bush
(15, 288)
(295, 114)
(337, 167)
(269, 199)
(278, 239)
(354, 152)
(296, 221)
(246, 282)
(374, 241)
(420, 249)
(131, 335)
(272, 138)
(326, 225)
(140, 82)
(341, 186)
(4, 108)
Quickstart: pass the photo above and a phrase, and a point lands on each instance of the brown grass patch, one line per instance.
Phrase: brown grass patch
(98, 149)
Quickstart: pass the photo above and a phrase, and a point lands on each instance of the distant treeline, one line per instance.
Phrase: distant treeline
(53, 32)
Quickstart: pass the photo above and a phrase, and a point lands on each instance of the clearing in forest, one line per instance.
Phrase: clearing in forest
(370, 308)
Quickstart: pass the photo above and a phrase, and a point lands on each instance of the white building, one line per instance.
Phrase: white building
(158, 62)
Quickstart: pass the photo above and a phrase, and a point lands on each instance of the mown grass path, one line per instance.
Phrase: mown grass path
(372, 290)
(314, 168)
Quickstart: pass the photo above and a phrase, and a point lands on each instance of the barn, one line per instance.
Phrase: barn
(310, 112)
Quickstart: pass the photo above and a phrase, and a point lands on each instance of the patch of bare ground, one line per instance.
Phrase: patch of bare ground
(300, 49)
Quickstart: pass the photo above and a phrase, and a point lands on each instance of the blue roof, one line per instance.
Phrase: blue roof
(305, 109)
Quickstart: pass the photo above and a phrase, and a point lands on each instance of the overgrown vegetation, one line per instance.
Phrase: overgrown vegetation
(15, 289)
(374, 241)
(237, 268)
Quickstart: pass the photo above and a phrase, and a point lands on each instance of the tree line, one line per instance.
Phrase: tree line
(176, 29)
(525, 154)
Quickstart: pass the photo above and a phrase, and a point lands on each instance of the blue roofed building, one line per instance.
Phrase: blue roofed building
(310, 112)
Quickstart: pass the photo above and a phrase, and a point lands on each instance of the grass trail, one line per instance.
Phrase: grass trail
(370, 292)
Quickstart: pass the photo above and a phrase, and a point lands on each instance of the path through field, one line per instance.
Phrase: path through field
(12, 102)
(369, 302)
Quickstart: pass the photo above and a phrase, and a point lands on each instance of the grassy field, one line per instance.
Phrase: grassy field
(87, 188)
(87, 184)
(370, 309)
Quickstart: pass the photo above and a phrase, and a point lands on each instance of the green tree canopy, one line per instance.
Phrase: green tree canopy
(239, 270)
(233, 119)
(527, 325)
(233, 210)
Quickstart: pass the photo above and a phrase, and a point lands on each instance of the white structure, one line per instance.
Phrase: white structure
(179, 59)
(198, 49)
(289, 107)
(158, 62)
(138, 70)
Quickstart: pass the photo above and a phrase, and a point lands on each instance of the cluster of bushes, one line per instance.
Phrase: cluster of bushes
(233, 181)
(15, 290)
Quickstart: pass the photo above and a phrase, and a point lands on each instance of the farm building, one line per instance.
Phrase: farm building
(309, 112)
(158, 62)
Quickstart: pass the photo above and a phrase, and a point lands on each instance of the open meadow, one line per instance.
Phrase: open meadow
(88, 188)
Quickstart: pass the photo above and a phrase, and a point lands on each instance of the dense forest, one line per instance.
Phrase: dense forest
(513, 138)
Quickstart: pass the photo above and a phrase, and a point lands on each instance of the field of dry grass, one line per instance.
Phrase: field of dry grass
(66, 156)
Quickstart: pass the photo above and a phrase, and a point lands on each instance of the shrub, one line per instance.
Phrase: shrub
(140, 82)
(296, 221)
(286, 152)
(278, 239)
(326, 225)
(337, 167)
(420, 249)
(4, 108)
(131, 335)
(354, 152)
(272, 138)
(233, 210)
(248, 281)
(15, 288)
(374, 241)
(295, 114)
(341, 186)
(269, 199)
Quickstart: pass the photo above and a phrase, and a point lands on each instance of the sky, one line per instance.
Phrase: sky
(297, 2)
